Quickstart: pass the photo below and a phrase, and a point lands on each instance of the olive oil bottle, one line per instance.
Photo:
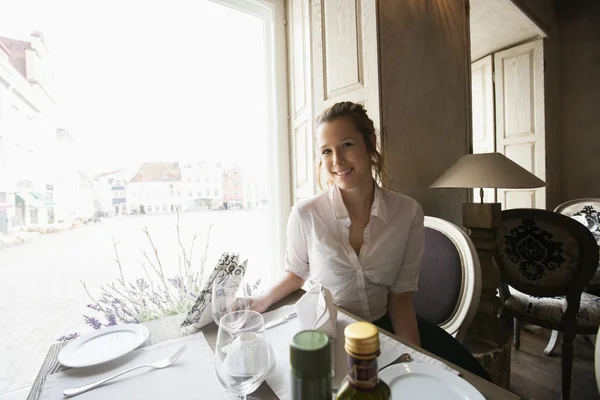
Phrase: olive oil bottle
(362, 347)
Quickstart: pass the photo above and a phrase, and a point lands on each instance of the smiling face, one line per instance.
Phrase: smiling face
(344, 153)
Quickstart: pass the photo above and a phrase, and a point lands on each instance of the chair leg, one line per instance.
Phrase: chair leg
(552, 343)
(517, 333)
(567, 366)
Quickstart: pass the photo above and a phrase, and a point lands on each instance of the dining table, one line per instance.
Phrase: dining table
(169, 328)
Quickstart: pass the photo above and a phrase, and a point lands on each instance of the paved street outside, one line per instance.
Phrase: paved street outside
(41, 297)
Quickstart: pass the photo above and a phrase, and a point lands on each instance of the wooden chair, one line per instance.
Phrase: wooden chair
(449, 278)
(586, 211)
(597, 360)
(548, 259)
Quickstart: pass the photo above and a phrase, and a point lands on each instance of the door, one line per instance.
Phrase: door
(484, 134)
(520, 131)
(301, 112)
(333, 57)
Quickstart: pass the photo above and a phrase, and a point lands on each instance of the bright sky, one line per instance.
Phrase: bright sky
(152, 80)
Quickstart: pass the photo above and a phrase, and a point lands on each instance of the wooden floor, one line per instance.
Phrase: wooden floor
(535, 375)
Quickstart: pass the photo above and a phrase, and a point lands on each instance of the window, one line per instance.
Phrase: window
(190, 193)
(133, 194)
(179, 193)
(164, 207)
(162, 134)
(199, 194)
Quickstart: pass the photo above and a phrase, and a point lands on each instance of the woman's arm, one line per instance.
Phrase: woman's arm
(286, 286)
(296, 265)
(404, 319)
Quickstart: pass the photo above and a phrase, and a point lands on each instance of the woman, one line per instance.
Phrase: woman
(362, 242)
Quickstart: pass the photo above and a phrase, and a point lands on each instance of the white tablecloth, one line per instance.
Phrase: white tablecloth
(191, 377)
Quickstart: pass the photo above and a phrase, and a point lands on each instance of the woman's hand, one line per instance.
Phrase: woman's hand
(287, 285)
(259, 303)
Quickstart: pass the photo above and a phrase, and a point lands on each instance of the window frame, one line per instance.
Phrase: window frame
(274, 15)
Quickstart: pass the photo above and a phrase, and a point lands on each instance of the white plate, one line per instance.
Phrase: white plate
(103, 345)
(422, 381)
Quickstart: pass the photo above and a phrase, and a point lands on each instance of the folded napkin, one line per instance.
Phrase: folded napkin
(316, 311)
(191, 377)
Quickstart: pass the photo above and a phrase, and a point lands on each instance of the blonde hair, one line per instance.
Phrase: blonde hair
(358, 115)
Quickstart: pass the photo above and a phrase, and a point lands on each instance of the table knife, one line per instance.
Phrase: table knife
(279, 321)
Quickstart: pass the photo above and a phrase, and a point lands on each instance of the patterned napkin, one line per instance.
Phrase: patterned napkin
(201, 314)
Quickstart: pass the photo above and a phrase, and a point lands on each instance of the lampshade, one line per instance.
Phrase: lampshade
(487, 170)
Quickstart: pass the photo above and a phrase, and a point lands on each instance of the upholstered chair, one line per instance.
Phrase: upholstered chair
(449, 278)
(586, 211)
(545, 261)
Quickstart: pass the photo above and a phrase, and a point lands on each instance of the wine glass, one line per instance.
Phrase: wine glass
(242, 354)
(229, 294)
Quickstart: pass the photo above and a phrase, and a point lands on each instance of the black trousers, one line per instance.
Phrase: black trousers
(439, 342)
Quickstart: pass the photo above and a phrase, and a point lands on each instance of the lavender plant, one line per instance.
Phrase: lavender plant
(150, 297)
(153, 296)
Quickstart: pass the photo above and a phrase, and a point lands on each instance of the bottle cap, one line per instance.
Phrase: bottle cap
(310, 354)
(362, 338)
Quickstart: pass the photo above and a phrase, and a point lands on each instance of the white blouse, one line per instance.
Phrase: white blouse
(319, 250)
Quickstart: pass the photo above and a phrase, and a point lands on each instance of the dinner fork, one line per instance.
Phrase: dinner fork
(165, 362)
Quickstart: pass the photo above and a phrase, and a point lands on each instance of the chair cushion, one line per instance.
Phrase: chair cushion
(440, 278)
(537, 253)
(552, 308)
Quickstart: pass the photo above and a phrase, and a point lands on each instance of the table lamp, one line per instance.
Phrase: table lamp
(493, 171)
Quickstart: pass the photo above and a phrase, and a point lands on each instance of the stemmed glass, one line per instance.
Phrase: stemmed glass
(242, 354)
(229, 294)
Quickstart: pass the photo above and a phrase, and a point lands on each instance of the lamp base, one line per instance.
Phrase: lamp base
(495, 359)
(482, 215)
(486, 337)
